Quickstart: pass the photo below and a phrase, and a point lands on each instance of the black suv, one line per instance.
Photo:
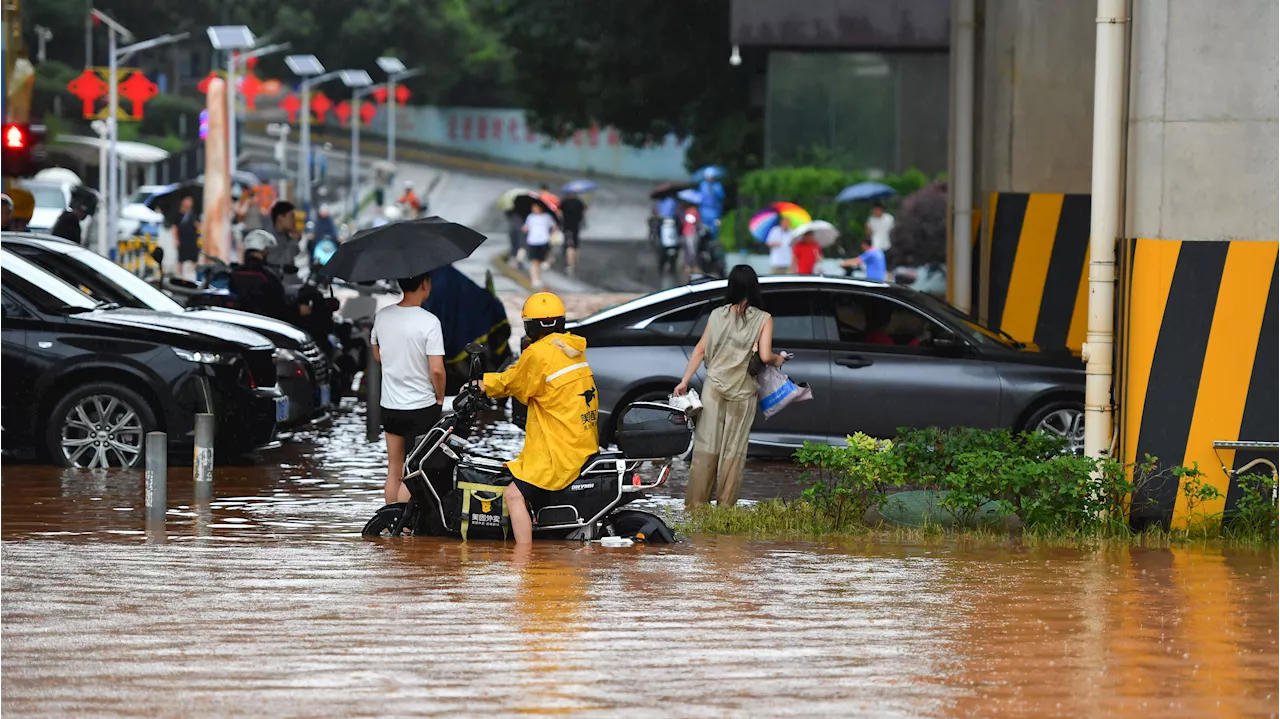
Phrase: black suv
(84, 381)
(301, 367)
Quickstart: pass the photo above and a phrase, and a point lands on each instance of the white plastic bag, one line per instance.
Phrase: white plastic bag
(690, 403)
(776, 391)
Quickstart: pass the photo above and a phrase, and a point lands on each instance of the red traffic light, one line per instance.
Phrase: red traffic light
(23, 147)
(15, 137)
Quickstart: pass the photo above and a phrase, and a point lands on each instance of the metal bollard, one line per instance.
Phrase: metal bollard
(202, 462)
(156, 476)
(372, 399)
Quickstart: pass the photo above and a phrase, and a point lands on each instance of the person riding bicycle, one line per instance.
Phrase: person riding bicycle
(553, 378)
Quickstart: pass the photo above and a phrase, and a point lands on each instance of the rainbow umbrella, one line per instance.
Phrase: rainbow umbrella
(765, 220)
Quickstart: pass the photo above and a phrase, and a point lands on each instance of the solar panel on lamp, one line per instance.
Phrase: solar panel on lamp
(390, 65)
(304, 65)
(231, 37)
(355, 78)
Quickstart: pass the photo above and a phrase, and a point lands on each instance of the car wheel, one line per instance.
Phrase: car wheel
(1061, 419)
(99, 425)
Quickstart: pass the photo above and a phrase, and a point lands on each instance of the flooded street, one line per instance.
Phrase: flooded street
(267, 602)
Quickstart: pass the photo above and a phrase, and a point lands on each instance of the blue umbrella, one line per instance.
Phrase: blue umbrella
(693, 197)
(865, 191)
(578, 186)
(717, 171)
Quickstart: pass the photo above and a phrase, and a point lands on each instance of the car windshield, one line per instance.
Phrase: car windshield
(56, 292)
(128, 283)
(972, 330)
(47, 196)
(140, 197)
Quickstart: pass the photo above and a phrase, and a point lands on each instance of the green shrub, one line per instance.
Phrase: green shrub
(1256, 512)
(847, 481)
(162, 114)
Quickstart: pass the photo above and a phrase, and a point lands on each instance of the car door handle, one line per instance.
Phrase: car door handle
(853, 361)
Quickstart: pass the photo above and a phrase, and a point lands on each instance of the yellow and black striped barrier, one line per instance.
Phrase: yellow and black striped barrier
(134, 254)
(1198, 362)
(1035, 278)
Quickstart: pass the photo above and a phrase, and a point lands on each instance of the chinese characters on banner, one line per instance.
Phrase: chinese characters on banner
(481, 127)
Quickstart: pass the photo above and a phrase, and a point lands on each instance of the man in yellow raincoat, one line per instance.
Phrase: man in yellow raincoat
(553, 378)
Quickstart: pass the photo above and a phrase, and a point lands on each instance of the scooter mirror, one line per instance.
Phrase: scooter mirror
(474, 348)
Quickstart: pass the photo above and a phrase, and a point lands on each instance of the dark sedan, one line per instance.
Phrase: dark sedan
(877, 357)
(84, 381)
(302, 368)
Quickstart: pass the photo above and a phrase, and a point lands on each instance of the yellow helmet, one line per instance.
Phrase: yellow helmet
(542, 306)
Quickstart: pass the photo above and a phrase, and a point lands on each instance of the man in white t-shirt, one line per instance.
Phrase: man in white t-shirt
(779, 242)
(409, 344)
(880, 228)
(538, 227)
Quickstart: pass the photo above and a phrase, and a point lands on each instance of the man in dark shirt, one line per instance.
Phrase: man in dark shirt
(574, 211)
(284, 225)
(67, 226)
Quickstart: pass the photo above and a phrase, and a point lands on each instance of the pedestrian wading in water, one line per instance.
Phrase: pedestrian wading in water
(735, 331)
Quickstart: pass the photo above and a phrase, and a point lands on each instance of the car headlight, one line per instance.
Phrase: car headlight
(285, 355)
(201, 356)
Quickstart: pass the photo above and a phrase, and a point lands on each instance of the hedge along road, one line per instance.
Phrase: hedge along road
(268, 603)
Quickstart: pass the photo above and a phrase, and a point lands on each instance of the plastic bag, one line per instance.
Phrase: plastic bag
(776, 391)
(557, 238)
(690, 403)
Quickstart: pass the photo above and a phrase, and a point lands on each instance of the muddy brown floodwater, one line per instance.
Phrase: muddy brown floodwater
(267, 602)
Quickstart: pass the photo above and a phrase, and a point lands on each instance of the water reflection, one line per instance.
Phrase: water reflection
(264, 601)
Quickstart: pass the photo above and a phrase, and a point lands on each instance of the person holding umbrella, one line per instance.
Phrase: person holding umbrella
(409, 344)
(406, 339)
(574, 211)
(712, 201)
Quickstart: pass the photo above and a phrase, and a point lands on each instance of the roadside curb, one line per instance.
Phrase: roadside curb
(499, 262)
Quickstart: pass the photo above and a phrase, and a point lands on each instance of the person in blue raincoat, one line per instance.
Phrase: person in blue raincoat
(712, 205)
(467, 313)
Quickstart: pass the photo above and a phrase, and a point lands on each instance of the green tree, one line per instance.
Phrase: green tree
(647, 67)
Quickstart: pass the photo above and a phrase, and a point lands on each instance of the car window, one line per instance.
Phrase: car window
(681, 323)
(12, 308)
(124, 282)
(47, 196)
(42, 288)
(858, 318)
(793, 317)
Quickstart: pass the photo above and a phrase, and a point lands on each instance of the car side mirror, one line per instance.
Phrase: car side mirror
(948, 343)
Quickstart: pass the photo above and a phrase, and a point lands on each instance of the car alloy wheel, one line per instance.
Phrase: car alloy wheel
(1067, 423)
(102, 431)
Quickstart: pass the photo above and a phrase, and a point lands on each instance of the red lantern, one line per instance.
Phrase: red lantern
(321, 105)
(343, 111)
(291, 105)
(380, 94)
(88, 86)
(402, 94)
(250, 87)
(138, 89)
(367, 111)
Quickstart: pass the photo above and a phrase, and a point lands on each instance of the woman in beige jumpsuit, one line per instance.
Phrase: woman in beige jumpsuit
(733, 333)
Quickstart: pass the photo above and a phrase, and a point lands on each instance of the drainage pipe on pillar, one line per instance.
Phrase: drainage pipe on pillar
(1104, 222)
(962, 54)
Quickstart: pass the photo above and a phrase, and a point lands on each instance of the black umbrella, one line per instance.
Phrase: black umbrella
(402, 249)
(523, 205)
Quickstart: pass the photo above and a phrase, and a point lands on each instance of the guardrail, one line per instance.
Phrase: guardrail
(135, 255)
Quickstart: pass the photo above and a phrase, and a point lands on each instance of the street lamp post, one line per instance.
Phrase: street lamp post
(355, 147)
(395, 73)
(313, 74)
(114, 56)
(236, 39)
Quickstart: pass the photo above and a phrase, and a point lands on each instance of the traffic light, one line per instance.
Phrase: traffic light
(23, 149)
